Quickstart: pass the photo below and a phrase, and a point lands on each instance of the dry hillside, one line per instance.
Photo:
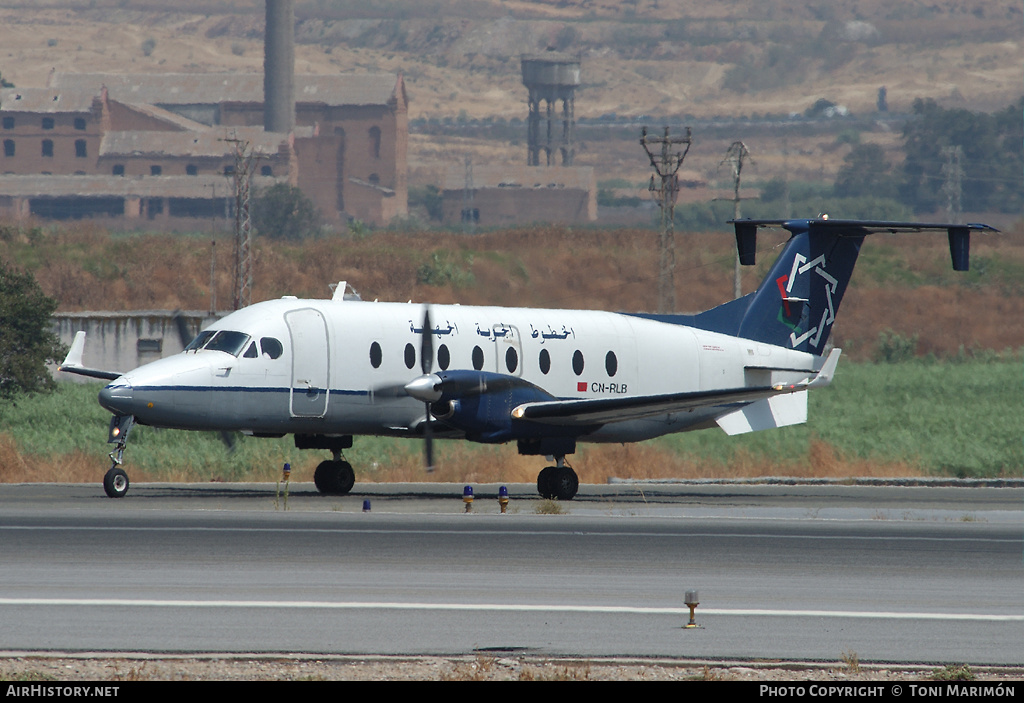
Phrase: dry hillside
(663, 59)
(902, 284)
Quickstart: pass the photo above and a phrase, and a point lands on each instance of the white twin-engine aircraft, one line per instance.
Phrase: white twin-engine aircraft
(326, 370)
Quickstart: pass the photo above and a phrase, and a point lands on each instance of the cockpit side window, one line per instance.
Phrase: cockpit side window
(229, 342)
(251, 352)
(271, 347)
(201, 339)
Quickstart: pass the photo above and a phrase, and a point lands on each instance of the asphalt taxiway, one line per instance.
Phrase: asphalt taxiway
(894, 573)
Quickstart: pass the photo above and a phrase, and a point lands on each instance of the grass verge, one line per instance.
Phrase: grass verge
(905, 419)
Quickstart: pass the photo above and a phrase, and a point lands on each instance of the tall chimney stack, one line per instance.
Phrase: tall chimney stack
(279, 67)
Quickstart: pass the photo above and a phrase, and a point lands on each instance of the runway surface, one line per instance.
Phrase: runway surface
(788, 572)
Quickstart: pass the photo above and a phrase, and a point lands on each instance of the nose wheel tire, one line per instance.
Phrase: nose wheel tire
(334, 478)
(115, 483)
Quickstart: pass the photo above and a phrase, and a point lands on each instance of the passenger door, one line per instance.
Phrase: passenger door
(310, 387)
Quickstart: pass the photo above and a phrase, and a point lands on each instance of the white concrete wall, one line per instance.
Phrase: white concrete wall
(122, 341)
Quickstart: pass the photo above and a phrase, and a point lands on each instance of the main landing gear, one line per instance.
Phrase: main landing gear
(559, 481)
(334, 478)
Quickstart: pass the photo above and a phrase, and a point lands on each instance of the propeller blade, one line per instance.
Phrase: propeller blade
(428, 442)
(426, 344)
(426, 365)
(228, 438)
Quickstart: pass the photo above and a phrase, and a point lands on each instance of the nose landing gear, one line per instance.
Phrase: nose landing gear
(115, 482)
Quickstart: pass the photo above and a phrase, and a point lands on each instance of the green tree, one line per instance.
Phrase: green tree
(429, 197)
(992, 163)
(284, 212)
(27, 343)
(865, 172)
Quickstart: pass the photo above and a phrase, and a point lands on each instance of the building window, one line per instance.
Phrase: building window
(47, 123)
(191, 170)
(80, 149)
(266, 171)
(118, 170)
(48, 147)
(229, 170)
(8, 123)
(375, 142)
(155, 170)
(8, 147)
(150, 346)
(80, 123)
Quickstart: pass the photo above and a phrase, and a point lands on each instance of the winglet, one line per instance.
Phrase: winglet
(73, 361)
(74, 358)
(818, 380)
(824, 376)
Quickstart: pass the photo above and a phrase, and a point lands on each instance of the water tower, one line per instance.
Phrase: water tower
(551, 77)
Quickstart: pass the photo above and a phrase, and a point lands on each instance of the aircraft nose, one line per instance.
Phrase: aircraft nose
(117, 398)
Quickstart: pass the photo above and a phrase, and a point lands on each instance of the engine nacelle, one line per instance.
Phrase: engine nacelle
(480, 404)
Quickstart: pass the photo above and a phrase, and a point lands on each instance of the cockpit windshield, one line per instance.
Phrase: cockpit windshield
(223, 340)
(201, 339)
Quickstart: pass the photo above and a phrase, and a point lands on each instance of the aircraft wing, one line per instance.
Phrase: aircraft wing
(73, 362)
(606, 410)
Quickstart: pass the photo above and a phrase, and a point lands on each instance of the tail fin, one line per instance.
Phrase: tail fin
(796, 303)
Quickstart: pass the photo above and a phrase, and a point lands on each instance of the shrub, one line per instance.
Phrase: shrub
(893, 349)
(283, 211)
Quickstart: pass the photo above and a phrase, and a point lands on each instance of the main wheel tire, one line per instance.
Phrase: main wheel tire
(564, 484)
(346, 477)
(115, 483)
(334, 478)
(544, 482)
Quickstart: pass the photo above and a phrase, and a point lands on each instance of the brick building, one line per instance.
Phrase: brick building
(511, 194)
(155, 145)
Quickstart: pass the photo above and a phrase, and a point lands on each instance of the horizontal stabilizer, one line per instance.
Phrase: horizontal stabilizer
(959, 235)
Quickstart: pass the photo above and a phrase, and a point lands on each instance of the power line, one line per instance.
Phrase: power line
(734, 156)
(243, 224)
(666, 164)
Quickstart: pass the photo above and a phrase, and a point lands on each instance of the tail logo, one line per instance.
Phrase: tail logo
(800, 266)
